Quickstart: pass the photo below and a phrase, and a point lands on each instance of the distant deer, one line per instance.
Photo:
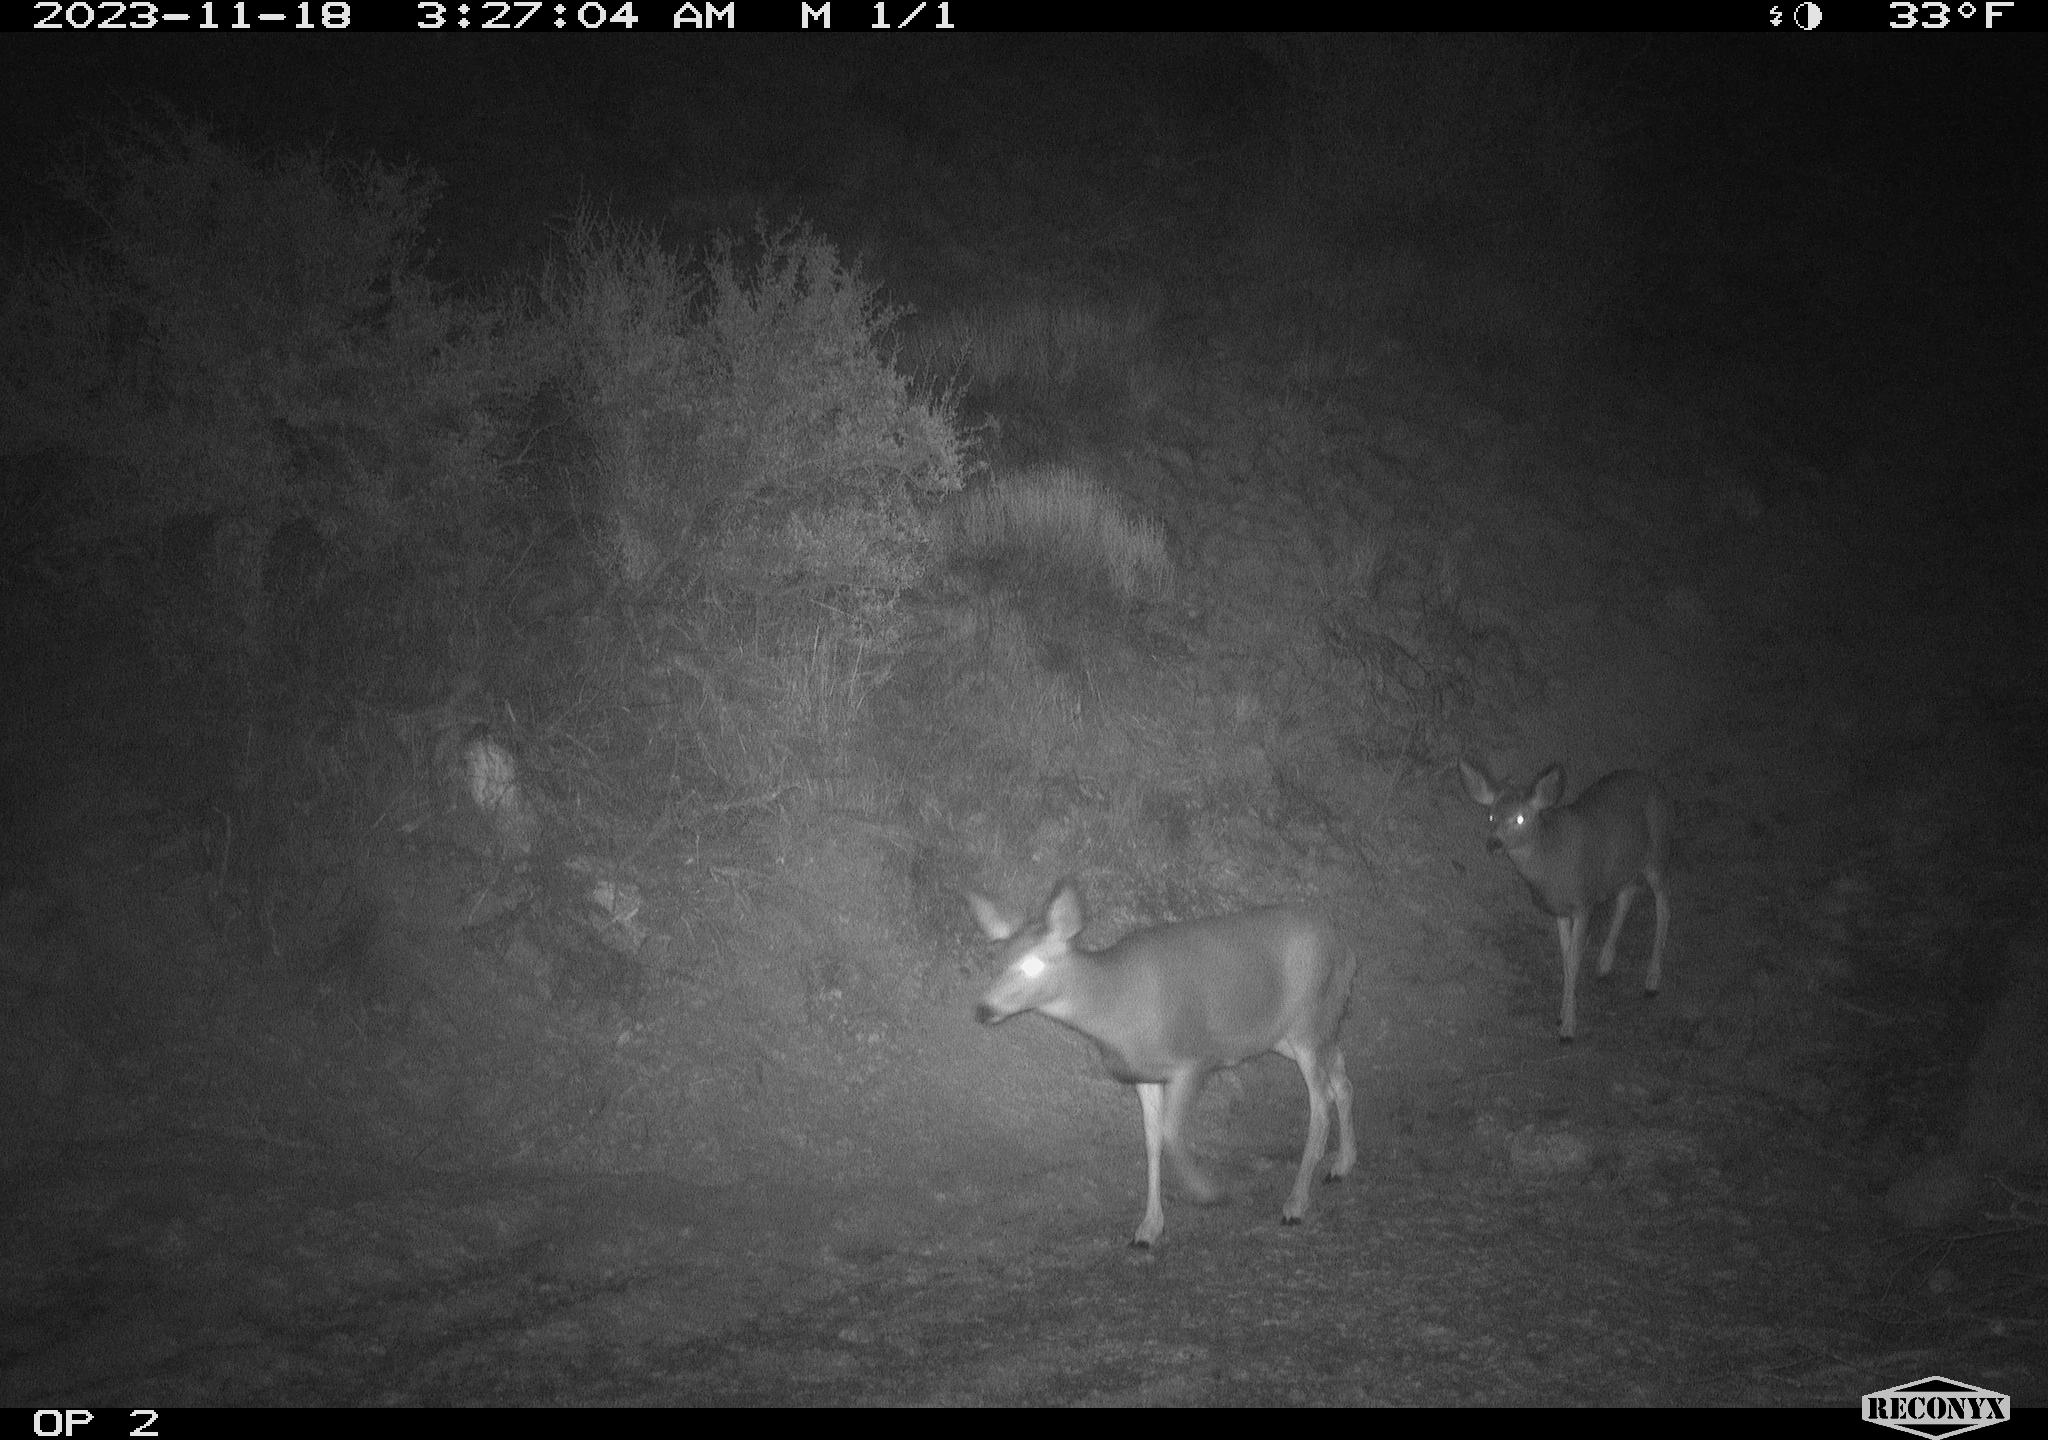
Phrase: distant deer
(1171, 1004)
(1616, 835)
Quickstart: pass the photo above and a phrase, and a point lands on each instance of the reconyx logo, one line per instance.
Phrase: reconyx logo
(1936, 1407)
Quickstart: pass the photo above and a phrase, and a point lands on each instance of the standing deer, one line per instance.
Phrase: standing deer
(1170, 1004)
(1604, 844)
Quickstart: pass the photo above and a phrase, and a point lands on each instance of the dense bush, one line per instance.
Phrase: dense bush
(249, 345)
(746, 416)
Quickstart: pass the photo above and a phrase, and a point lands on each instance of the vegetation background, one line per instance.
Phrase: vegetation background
(536, 578)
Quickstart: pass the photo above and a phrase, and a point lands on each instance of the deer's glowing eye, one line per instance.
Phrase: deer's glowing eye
(1031, 967)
